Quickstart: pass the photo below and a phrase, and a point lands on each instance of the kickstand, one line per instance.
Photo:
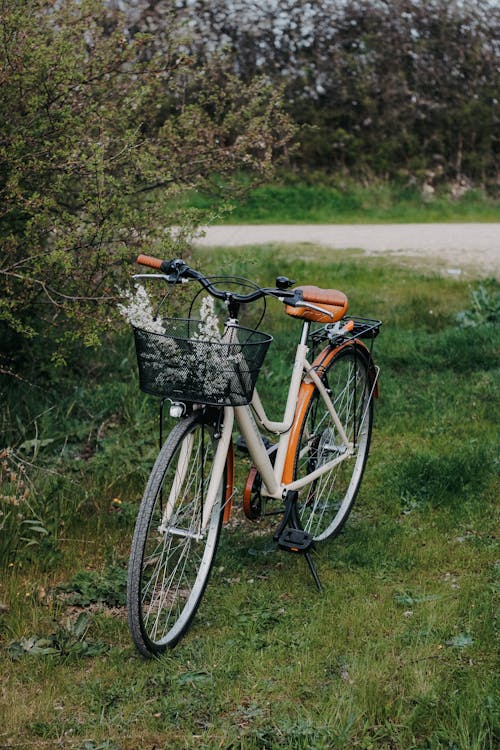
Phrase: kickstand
(291, 537)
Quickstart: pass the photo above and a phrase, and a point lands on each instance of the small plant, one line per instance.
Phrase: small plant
(97, 587)
(485, 307)
(19, 524)
(14, 483)
(67, 640)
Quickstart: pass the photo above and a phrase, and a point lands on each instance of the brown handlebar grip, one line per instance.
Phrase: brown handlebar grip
(148, 260)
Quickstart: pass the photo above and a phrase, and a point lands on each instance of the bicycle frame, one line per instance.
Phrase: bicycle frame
(327, 419)
(277, 478)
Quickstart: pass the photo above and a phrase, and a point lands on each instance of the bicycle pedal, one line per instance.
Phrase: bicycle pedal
(295, 540)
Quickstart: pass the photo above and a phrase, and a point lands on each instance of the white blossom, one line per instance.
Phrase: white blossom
(139, 312)
(209, 364)
(209, 326)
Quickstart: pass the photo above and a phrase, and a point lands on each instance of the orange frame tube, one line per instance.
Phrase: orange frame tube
(305, 394)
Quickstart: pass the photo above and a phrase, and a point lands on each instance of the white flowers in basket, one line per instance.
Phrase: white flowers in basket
(139, 311)
(209, 327)
(222, 366)
(202, 364)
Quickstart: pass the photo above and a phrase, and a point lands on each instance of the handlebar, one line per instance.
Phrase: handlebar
(175, 271)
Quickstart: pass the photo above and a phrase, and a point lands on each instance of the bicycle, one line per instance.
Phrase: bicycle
(313, 471)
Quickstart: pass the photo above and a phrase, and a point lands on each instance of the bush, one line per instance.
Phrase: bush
(101, 128)
(399, 87)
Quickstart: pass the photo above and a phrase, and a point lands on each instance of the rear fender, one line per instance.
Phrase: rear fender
(306, 392)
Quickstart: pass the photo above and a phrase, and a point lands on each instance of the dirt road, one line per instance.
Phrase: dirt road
(455, 248)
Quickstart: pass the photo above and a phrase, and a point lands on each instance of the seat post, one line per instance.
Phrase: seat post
(305, 332)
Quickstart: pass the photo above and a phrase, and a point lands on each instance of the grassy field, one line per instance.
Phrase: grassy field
(398, 653)
(380, 202)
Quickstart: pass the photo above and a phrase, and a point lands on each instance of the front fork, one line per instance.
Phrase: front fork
(223, 437)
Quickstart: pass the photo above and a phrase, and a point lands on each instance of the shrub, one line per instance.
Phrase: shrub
(101, 128)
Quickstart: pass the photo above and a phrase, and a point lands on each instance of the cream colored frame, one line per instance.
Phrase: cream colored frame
(272, 475)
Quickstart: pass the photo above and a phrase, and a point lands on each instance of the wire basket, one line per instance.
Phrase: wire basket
(183, 366)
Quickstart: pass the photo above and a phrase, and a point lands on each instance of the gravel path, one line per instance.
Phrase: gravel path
(455, 247)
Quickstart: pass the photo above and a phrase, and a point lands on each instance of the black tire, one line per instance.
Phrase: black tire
(169, 568)
(326, 503)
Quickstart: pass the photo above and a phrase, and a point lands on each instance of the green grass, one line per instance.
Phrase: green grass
(398, 653)
(380, 202)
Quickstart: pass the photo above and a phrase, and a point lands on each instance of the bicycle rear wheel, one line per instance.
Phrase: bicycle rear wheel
(325, 504)
(171, 555)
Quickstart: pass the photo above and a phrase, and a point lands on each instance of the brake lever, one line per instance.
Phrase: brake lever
(297, 302)
(169, 278)
(303, 303)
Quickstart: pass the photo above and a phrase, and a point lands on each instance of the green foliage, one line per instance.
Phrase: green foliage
(90, 587)
(70, 640)
(100, 129)
(405, 88)
(485, 306)
(21, 523)
(67, 439)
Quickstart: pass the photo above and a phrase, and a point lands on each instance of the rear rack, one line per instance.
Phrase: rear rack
(343, 330)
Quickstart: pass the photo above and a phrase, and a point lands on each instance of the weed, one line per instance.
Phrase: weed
(485, 306)
(69, 640)
(103, 587)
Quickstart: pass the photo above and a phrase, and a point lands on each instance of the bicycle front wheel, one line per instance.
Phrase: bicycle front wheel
(172, 554)
(325, 504)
